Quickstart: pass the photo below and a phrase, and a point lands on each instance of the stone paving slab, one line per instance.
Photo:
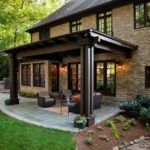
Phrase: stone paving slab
(28, 111)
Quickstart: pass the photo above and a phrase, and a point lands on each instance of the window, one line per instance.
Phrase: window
(105, 76)
(55, 77)
(104, 22)
(74, 72)
(44, 33)
(147, 77)
(75, 26)
(26, 74)
(39, 75)
(142, 14)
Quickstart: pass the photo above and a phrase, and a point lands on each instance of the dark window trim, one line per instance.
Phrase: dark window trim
(75, 25)
(105, 79)
(38, 75)
(104, 17)
(57, 90)
(69, 77)
(43, 30)
(146, 85)
(25, 84)
(134, 8)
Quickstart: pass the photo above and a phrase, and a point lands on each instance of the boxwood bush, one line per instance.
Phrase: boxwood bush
(145, 114)
(132, 108)
(28, 95)
(8, 102)
(140, 107)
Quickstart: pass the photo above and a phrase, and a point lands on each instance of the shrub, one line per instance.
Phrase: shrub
(89, 141)
(143, 101)
(8, 102)
(100, 128)
(90, 132)
(139, 107)
(126, 126)
(115, 132)
(145, 114)
(120, 119)
(109, 123)
(132, 108)
(80, 119)
(128, 123)
(28, 95)
(104, 138)
(132, 122)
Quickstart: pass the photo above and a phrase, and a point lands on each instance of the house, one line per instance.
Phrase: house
(87, 46)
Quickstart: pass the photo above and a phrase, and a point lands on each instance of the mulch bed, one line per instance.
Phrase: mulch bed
(128, 136)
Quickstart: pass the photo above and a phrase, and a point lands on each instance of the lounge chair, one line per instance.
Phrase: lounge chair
(45, 100)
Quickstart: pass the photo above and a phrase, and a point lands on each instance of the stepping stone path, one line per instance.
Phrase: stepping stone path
(143, 143)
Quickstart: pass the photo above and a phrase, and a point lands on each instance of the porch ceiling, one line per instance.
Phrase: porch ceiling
(101, 42)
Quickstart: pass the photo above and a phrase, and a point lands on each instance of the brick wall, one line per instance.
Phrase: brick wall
(131, 79)
(123, 27)
(32, 89)
(59, 30)
(35, 37)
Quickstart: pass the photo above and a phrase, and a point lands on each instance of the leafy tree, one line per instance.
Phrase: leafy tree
(4, 66)
(16, 16)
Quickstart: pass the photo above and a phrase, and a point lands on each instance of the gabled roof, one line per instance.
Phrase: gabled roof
(73, 8)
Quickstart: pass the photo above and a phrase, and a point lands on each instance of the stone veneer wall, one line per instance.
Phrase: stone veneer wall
(131, 79)
(32, 89)
(35, 37)
(59, 30)
(123, 27)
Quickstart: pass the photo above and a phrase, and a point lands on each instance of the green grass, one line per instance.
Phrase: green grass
(18, 135)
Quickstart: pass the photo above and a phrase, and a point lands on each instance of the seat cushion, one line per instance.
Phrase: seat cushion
(49, 99)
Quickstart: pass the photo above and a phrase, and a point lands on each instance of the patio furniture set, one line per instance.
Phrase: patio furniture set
(67, 99)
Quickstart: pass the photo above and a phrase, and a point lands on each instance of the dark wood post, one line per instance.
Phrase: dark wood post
(13, 79)
(87, 82)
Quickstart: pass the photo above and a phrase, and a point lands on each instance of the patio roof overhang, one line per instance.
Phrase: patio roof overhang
(101, 42)
(85, 43)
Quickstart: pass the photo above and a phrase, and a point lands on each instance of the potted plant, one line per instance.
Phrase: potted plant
(80, 122)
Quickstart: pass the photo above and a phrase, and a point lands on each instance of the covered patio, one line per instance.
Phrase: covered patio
(29, 111)
(85, 44)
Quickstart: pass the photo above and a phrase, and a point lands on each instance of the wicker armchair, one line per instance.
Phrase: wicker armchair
(45, 100)
(96, 103)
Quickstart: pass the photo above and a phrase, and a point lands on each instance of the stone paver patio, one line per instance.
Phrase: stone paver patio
(28, 111)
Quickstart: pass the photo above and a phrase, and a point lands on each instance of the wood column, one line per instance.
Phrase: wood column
(13, 79)
(87, 83)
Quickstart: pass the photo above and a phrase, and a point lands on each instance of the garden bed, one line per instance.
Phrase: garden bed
(133, 133)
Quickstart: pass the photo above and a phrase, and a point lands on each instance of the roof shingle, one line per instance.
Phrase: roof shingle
(71, 8)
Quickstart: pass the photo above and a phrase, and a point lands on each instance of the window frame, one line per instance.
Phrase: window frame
(77, 77)
(57, 77)
(39, 75)
(146, 77)
(26, 71)
(105, 22)
(78, 22)
(105, 76)
(145, 13)
(43, 31)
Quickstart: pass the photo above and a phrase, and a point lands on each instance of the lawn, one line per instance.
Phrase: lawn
(16, 135)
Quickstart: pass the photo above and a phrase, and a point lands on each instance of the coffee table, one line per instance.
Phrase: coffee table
(68, 104)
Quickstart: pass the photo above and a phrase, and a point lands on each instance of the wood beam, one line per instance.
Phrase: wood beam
(49, 50)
